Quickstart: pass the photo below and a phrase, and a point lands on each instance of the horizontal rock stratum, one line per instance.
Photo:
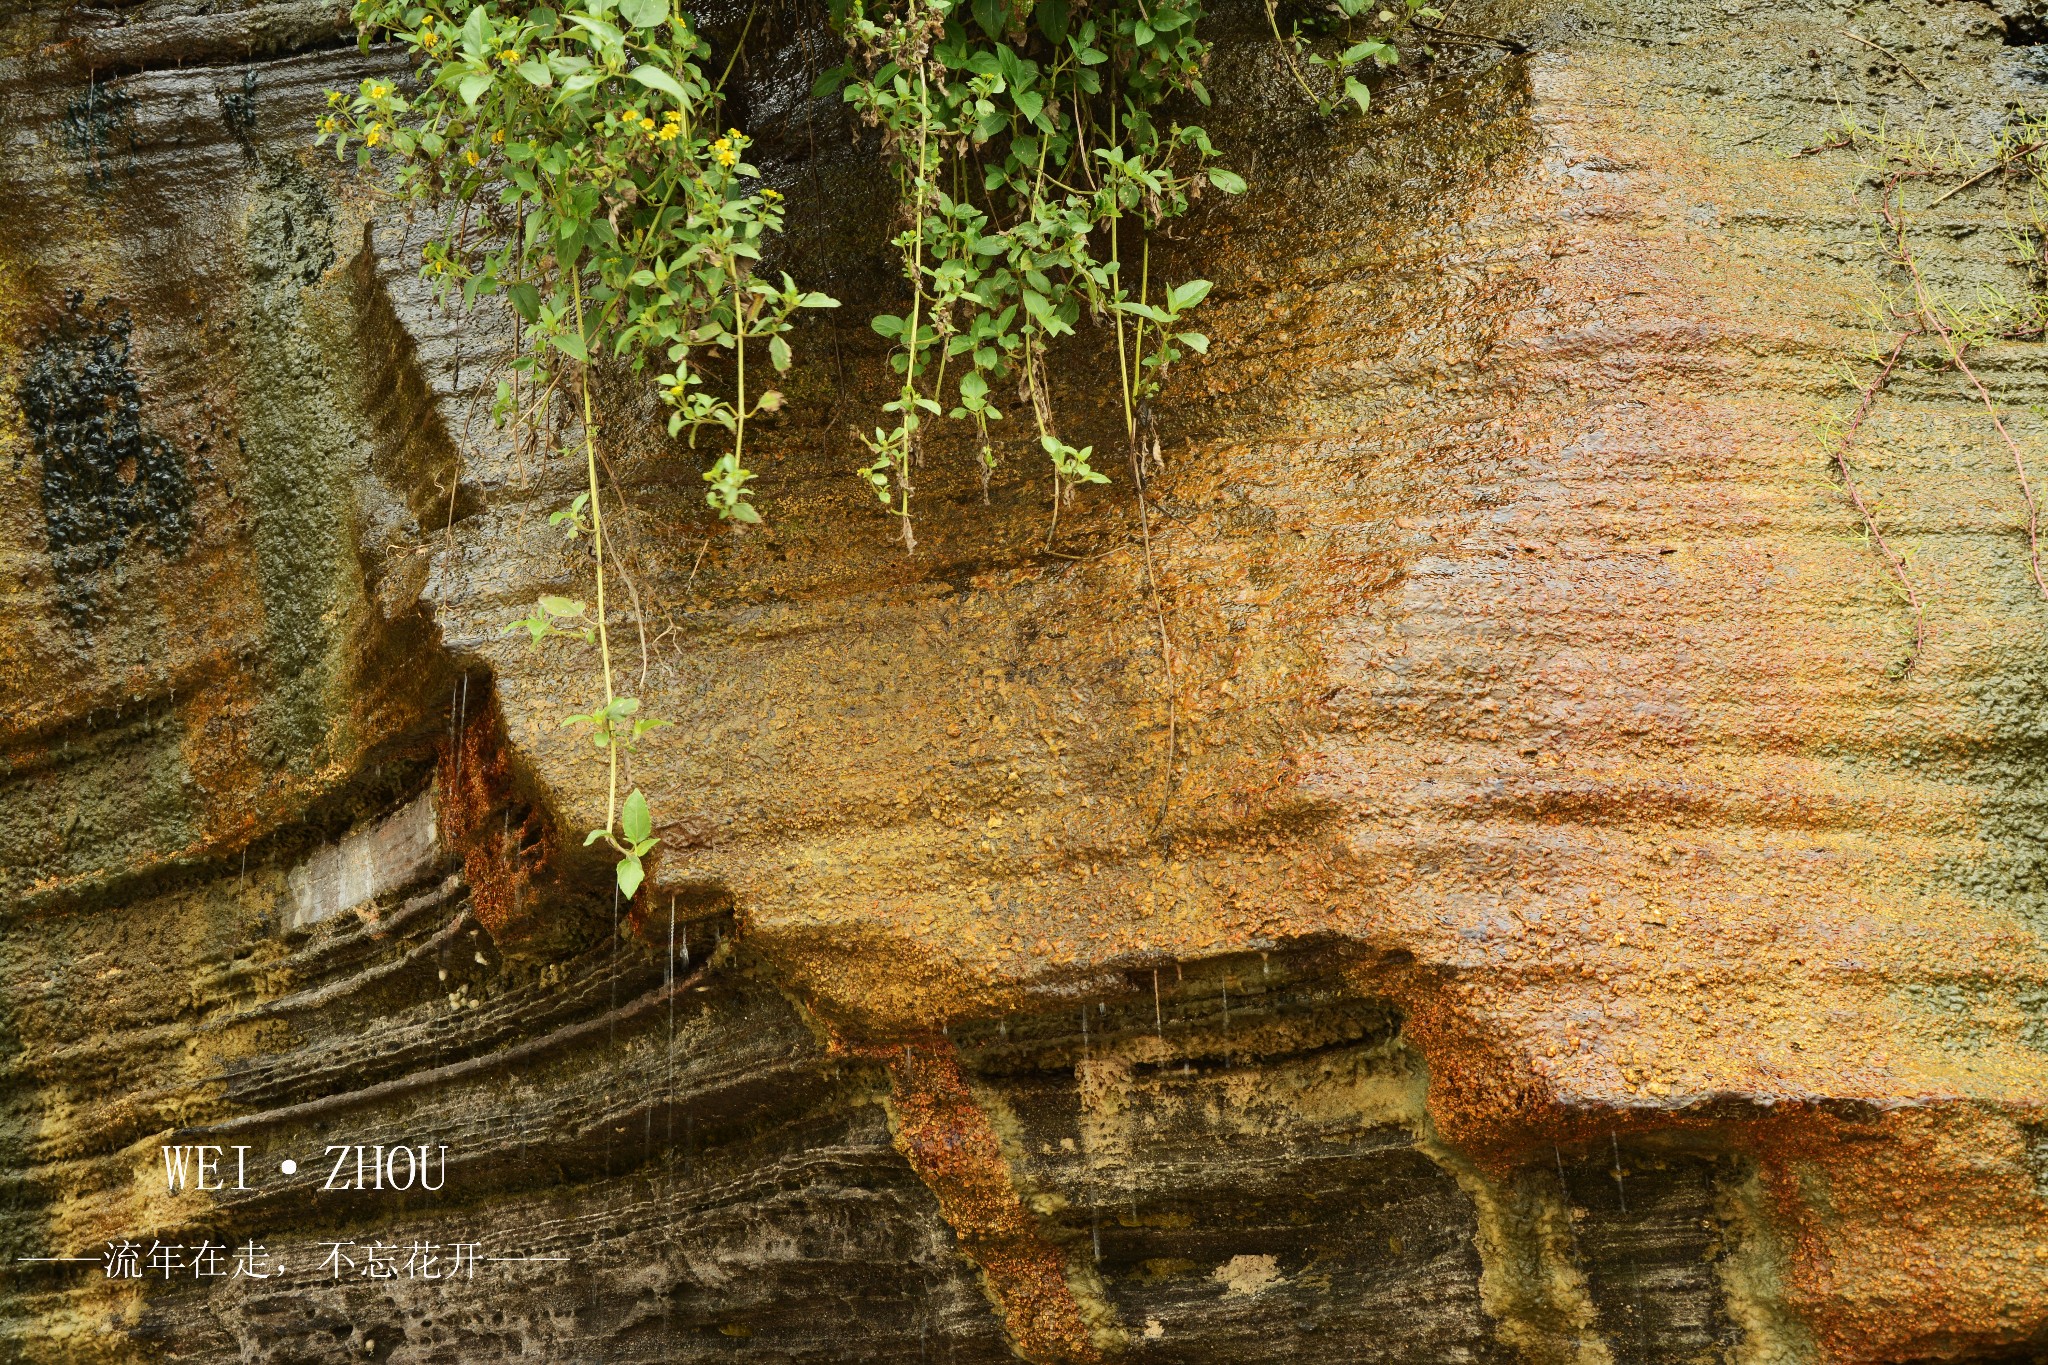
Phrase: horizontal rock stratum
(1512, 890)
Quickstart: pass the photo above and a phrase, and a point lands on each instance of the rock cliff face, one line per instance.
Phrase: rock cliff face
(1532, 913)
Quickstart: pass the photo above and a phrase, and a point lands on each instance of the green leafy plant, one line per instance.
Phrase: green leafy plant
(1338, 70)
(1022, 135)
(578, 151)
(590, 187)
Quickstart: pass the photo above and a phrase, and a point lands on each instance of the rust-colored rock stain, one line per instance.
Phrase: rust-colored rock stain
(949, 1142)
(504, 840)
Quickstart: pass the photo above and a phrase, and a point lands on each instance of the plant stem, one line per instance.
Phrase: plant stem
(2000, 164)
(1930, 312)
(1165, 641)
(1287, 51)
(1892, 561)
(739, 350)
(1144, 298)
(739, 46)
(910, 417)
(604, 642)
(1123, 366)
(1137, 458)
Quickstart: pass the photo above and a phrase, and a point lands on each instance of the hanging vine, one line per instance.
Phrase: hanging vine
(578, 153)
(1028, 146)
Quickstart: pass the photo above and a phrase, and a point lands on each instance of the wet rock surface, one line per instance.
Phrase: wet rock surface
(1530, 915)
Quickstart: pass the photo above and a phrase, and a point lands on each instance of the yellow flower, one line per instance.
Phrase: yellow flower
(497, 137)
(674, 116)
(771, 194)
(726, 156)
(375, 135)
(469, 155)
(668, 134)
(646, 124)
(333, 98)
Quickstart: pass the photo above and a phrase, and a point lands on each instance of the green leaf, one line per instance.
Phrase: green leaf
(654, 78)
(1194, 341)
(1018, 74)
(1053, 18)
(536, 73)
(631, 874)
(831, 80)
(525, 300)
(592, 837)
(778, 352)
(992, 15)
(644, 13)
(1141, 33)
(561, 606)
(1230, 182)
(572, 345)
(473, 86)
(1355, 88)
(1187, 295)
(1146, 311)
(602, 34)
(635, 820)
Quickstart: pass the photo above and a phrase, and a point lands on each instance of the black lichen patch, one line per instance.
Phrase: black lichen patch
(238, 111)
(105, 477)
(97, 127)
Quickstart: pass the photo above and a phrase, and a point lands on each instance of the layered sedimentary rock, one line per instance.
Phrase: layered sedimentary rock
(1532, 910)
